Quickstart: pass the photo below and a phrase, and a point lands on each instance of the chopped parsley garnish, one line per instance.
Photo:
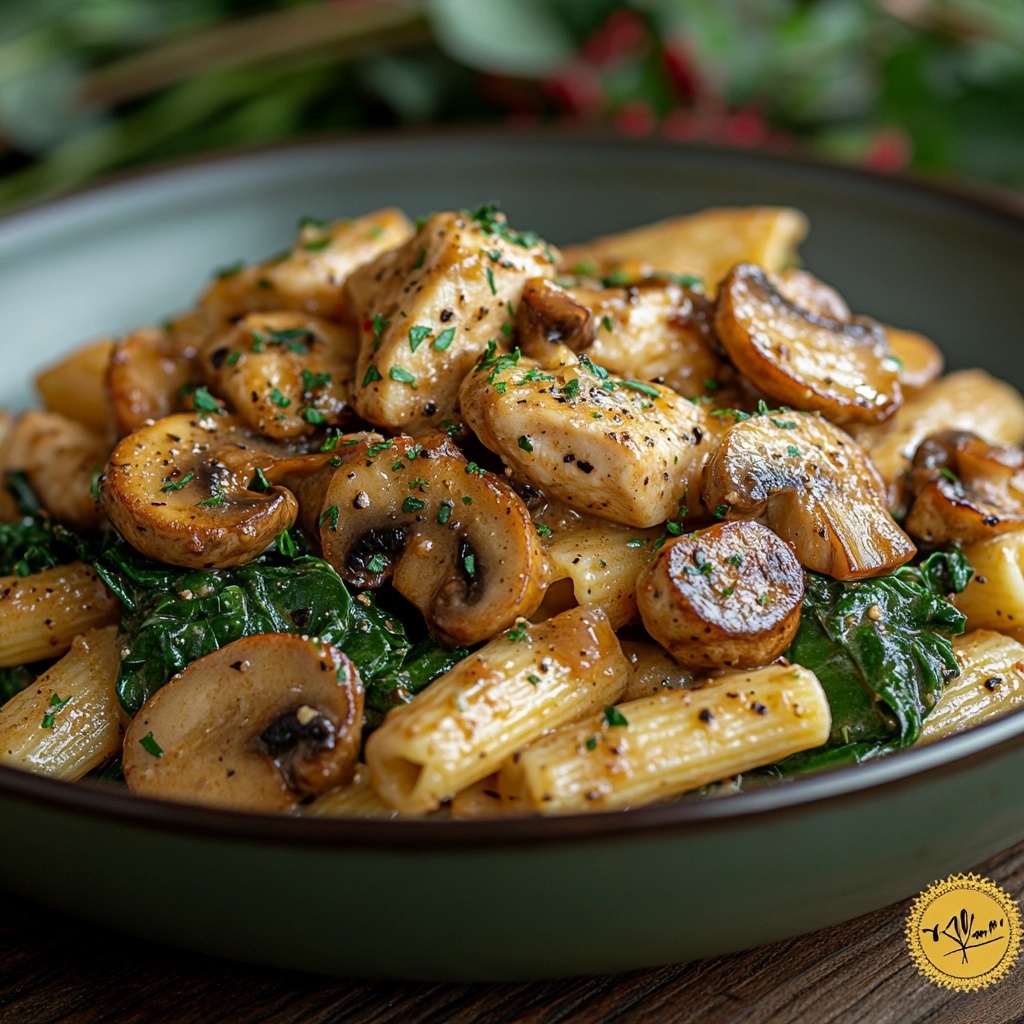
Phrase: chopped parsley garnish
(490, 281)
(203, 400)
(377, 564)
(473, 468)
(444, 339)
(721, 511)
(793, 450)
(280, 400)
(213, 500)
(378, 324)
(170, 484)
(312, 381)
(404, 376)
(314, 416)
(533, 679)
(467, 500)
(259, 482)
(330, 443)
(518, 631)
(330, 516)
(317, 245)
(419, 259)
(545, 531)
(591, 743)
(372, 374)
(606, 323)
(762, 599)
(614, 718)
(711, 384)
(571, 390)
(470, 565)
(150, 745)
(233, 358)
(56, 704)
(728, 592)
(492, 222)
(418, 334)
(413, 504)
(525, 443)
(645, 389)
(735, 559)
(418, 484)
(946, 472)
(286, 544)
(375, 449)
(444, 512)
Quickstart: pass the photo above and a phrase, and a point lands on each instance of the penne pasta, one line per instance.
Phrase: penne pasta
(465, 724)
(76, 387)
(41, 614)
(994, 598)
(356, 800)
(990, 684)
(657, 747)
(69, 721)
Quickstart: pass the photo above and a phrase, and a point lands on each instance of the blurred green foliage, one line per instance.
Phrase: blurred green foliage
(92, 86)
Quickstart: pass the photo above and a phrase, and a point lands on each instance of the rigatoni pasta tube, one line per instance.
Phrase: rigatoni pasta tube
(467, 722)
(356, 800)
(990, 684)
(42, 613)
(69, 720)
(657, 747)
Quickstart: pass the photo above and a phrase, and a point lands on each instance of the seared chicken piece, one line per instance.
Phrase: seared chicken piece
(428, 309)
(624, 450)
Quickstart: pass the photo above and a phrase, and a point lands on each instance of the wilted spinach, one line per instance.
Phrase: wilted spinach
(173, 616)
(881, 649)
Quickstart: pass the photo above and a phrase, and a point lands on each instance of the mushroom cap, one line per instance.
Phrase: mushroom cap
(814, 486)
(841, 368)
(177, 490)
(456, 540)
(549, 317)
(963, 489)
(257, 725)
(727, 597)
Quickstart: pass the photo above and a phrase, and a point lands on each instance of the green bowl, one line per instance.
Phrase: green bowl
(517, 898)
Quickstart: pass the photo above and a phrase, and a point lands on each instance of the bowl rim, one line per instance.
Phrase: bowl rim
(989, 741)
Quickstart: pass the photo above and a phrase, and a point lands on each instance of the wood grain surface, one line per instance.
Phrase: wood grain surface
(53, 968)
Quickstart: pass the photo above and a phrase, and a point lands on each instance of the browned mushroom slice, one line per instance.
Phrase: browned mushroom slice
(309, 277)
(258, 725)
(809, 482)
(76, 386)
(178, 491)
(963, 490)
(623, 450)
(920, 360)
(285, 374)
(704, 244)
(547, 318)
(456, 541)
(725, 597)
(147, 372)
(803, 289)
(843, 369)
(428, 309)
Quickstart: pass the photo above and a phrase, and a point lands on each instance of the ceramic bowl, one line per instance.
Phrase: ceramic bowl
(516, 898)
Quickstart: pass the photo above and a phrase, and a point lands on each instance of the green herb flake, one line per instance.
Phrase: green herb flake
(150, 745)
(418, 334)
(473, 469)
(330, 443)
(467, 500)
(571, 390)
(490, 281)
(317, 245)
(280, 400)
(377, 564)
(419, 259)
(233, 358)
(403, 376)
(525, 443)
(735, 559)
(646, 389)
(444, 339)
(545, 531)
(533, 679)
(793, 451)
(444, 512)
(469, 562)
(56, 704)
(212, 501)
(728, 591)
(378, 325)
(606, 323)
(949, 475)
(614, 718)
(721, 511)
(711, 384)
(762, 599)
(169, 484)
(314, 416)
(413, 505)
(518, 631)
(329, 516)
(314, 381)
(203, 400)
(372, 374)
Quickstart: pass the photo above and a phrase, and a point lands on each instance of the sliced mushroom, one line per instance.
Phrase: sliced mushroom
(842, 368)
(814, 486)
(704, 244)
(285, 374)
(920, 359)
(178, 491)
(547, 318)
(964, 490)
(308, 277)
(727, 597)
(258, 725)
(963, 400)
(76, 386)
(61, 459)
(623, 450)
(456, 541)
(427, 310)
(146, 374)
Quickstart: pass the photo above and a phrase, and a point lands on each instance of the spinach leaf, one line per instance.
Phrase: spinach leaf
(32, 544)
(174, 616)
(881, 649)
(14, 680)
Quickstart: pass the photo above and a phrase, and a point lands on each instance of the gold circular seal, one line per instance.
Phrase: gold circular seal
(964, 933)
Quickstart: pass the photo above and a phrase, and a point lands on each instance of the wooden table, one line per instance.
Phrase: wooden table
(53, 968)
